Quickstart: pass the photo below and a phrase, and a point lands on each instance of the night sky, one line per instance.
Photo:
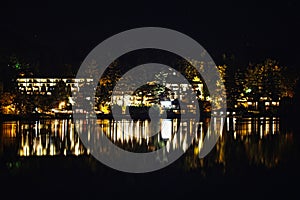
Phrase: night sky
(55, 33)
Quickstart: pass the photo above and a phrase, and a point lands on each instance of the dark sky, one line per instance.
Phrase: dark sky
(56, 33)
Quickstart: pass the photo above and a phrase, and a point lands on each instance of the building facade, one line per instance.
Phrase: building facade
(45, 86)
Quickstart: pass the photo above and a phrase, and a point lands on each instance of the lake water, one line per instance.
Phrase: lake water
(260, 141)
(250, 152)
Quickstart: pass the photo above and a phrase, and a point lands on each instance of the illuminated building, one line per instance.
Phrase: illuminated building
(46, 86)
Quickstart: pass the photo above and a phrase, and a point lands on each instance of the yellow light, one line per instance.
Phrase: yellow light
(105, 109)
(248, 90)
(52, 150)
(26, 150)
(39, 150)
(77, 149)
(62, 105)
(196, 79)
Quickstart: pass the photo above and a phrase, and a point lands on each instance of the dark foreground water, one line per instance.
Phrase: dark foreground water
(254, 157)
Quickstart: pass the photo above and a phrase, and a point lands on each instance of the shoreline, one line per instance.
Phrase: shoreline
(9, 117)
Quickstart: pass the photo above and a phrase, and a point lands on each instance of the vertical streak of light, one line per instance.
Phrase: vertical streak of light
(274, 126)
(36, 131)
(267, 124)
(221, 126)
(55, 128)
(62, 130)
(215, 123)
(234, 123)
(39, 126)
(249, 127)
(115, 131)
(200, 143)
(227, 123)
(147, 132)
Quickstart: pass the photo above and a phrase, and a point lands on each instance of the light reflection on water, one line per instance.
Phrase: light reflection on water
(260, 141)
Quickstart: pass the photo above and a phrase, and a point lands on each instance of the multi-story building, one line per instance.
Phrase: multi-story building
(45, 86)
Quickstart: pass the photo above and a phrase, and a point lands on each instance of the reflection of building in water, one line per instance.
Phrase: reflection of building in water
(268, 151)
(259, 141)
(140, 136)
(260, 125)
(262, 140)
(8, 138)
(53, 137)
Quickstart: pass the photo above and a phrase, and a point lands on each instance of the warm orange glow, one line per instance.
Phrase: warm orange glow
(62, 105)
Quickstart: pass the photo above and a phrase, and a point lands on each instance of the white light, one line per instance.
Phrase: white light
(166, 104)
(166, 129)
